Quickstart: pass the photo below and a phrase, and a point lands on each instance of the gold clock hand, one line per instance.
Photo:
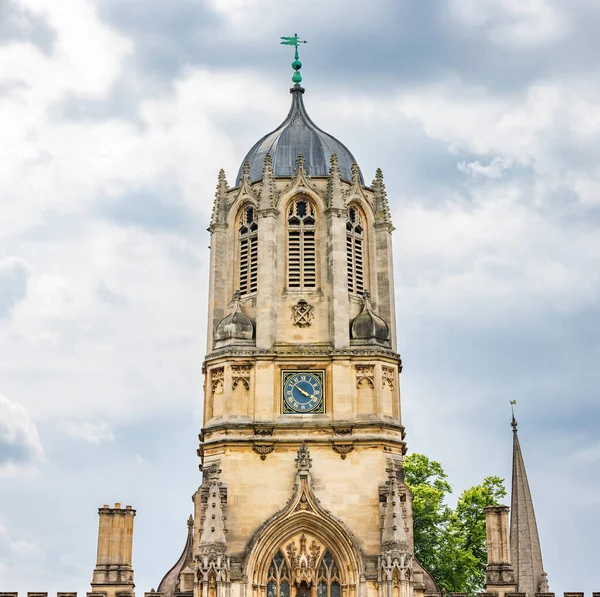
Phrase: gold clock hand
(302, 391)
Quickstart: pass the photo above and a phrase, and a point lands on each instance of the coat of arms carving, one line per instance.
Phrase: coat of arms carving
(302, 314)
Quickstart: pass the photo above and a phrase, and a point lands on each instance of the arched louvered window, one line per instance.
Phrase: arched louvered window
(248, 250)
(302, 258)
(278, 580)
(328, 578)
(355, 248)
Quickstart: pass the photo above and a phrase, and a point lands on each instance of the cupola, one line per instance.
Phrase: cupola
(368, 326)
(234, 328)
(298, 134)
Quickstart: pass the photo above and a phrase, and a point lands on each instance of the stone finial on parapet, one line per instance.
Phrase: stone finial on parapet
(113, 574)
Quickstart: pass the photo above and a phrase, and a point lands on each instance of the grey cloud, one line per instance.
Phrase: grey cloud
(18, 23)
(155, 25)
(150, 211)
(14, 452)
(14, 273)
(393, 44)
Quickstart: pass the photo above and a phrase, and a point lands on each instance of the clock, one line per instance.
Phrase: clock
(303, 392)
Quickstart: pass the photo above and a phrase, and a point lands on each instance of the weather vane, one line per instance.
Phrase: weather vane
(512, 408)
(296, 65)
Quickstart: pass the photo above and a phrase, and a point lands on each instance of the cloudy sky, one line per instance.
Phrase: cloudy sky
(115, 117)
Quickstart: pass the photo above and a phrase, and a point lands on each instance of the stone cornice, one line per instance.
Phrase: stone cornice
(322, 423)
(269, 212)
(217, 226)
(386, 226)
(300, 351)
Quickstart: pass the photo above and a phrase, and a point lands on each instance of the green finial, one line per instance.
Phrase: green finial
(296, 65)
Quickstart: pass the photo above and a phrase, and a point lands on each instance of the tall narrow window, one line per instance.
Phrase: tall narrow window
(248, 251)
(328, 578)
(278, 581)
(355, 236)
(302, 257)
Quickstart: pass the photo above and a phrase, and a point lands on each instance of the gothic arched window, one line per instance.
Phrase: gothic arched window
(355, 241)
(248, 250)
(278, 580)
(302, 258)
(328, 578)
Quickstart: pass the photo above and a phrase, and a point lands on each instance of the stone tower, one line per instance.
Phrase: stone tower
(302, 443)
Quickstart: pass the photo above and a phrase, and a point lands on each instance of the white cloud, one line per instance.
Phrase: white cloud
(495, 169)
(94, 433)
(20, 446)
(26, 549)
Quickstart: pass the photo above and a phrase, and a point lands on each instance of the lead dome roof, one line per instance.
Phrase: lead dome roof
(298, 134)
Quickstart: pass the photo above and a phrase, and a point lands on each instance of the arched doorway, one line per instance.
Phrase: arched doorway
(303, 572)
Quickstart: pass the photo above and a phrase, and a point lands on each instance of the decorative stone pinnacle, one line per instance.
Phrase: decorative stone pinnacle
(391, 470)
(220, 203)
(246, 172)
(212, 473)
(303, 460)
(300, 163)
(190, 522)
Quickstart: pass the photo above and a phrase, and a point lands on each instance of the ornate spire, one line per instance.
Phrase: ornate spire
(303, 459)
(394, 533)
(246, 173)
(395, 560)
(213, 528)
(300, 165)
(355, 174)
(382, 207)
(335, 194)
(220, 205)
(268, 192)
(524, 540)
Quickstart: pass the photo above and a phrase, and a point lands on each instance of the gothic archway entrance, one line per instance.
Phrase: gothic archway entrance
(303, 550)
(303, 568)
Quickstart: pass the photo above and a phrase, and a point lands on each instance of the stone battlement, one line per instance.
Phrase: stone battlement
(566, 594)
(74, 594)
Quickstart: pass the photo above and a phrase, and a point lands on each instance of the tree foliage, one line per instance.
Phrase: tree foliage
(450, 542)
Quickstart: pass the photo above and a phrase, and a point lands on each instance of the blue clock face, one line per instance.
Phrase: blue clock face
(303, 392)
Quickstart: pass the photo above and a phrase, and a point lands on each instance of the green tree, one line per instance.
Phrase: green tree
(450, 542)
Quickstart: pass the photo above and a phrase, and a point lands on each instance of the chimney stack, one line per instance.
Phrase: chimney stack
(499, 574)
(113, 573)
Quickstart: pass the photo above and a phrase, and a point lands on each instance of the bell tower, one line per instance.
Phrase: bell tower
(302, 440)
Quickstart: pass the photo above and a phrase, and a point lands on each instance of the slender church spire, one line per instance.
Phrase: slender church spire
(526, 553)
